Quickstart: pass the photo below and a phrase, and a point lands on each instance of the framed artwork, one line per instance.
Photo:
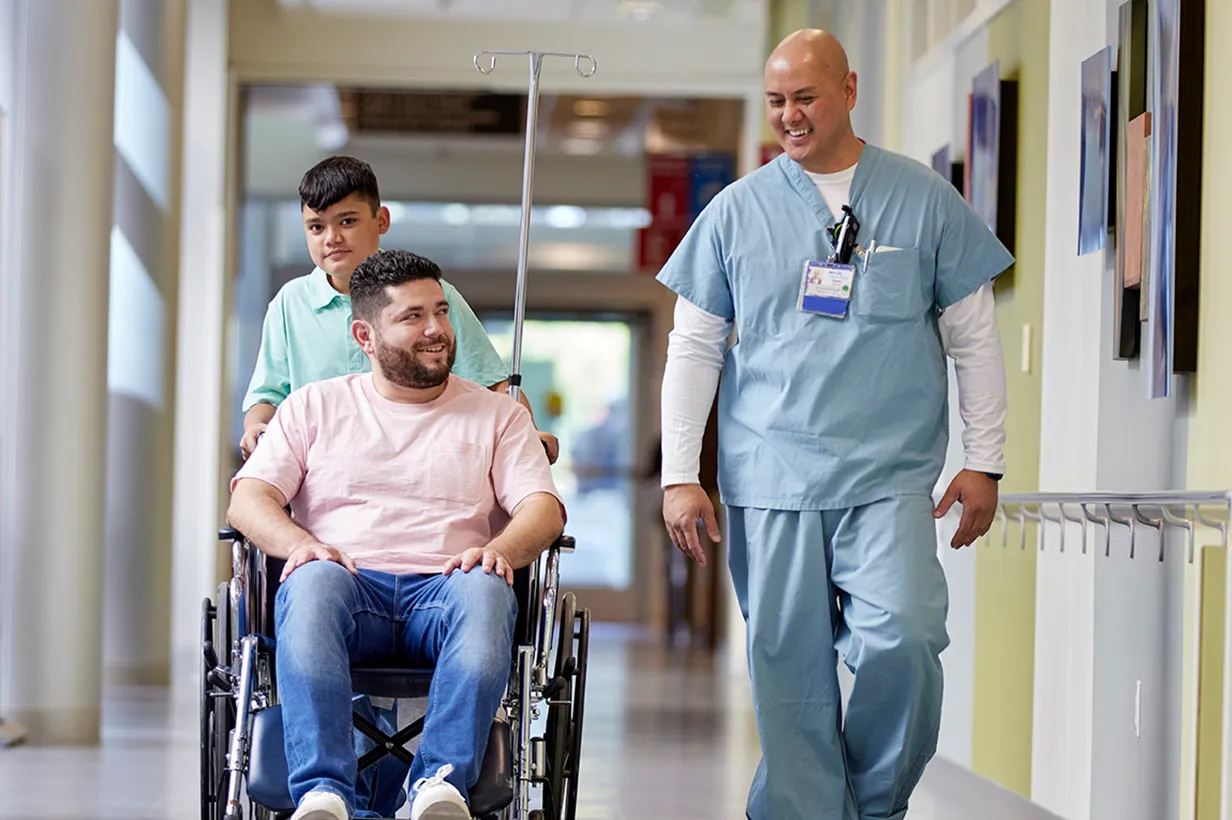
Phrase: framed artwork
(1094, 178)
(947, 167)
(1177, 31)
(1133, 129)
(992, 143)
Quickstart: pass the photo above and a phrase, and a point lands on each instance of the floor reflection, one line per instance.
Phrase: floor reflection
(668, 734)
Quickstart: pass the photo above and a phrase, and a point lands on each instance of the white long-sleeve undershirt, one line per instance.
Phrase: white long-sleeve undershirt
(697, 347)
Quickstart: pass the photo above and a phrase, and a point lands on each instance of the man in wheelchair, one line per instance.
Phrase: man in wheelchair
(414, 495)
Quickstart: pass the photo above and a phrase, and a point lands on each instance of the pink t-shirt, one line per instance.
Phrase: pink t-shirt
(401, 487)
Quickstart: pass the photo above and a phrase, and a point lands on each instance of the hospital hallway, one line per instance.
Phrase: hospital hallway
(667, 735)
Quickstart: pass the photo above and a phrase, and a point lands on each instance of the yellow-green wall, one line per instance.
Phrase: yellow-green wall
(1210, 433)
(1005, 578)
(1210, 408)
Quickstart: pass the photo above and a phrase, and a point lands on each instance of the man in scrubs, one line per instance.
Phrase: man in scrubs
(848, 273)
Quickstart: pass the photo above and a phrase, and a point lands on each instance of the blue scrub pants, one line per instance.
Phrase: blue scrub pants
(864, 583)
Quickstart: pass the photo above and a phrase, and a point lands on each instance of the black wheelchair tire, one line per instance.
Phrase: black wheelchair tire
(565, 714)
(206, 714)
(556, 734)
(579, 713)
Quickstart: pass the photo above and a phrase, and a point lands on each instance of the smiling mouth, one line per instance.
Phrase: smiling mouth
(433, 349)
(799, 132)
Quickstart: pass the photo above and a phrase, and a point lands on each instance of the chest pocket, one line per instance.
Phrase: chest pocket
(893, 286)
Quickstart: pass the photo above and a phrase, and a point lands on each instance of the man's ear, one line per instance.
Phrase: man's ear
(383, 219)
(361, 331)
(852, 89)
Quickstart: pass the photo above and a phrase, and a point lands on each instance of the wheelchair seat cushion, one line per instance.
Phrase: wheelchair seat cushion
(268, 775)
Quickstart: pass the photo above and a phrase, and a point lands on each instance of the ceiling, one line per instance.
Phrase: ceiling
(678, 12)
(475, 122)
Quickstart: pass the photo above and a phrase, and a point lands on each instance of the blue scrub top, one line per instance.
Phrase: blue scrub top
(821, 413)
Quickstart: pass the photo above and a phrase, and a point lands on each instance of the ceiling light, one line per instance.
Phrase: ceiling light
(455, 214)
(565, 216)
(591, 108)
(579, 146)
(640, 10)
(588, 129)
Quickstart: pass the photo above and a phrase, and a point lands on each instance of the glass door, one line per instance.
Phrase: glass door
(579, 375)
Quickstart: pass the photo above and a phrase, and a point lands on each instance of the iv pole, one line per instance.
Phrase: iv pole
(528, 183)
(531, 757)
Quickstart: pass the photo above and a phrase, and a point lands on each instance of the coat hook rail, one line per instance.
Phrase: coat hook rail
(1181, 510)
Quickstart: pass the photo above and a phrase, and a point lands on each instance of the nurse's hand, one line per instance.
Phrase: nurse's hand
(683, 505)
(977, 493)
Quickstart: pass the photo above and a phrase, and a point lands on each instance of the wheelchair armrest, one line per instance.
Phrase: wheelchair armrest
(230, 534)
(565, 543)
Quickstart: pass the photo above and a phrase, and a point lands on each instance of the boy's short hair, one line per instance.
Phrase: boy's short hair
(332, 180)
(382, 270)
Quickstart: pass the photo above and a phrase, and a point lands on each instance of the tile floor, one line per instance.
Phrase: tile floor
(668, 735)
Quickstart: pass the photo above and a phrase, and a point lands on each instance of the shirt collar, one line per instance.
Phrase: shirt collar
(807, 188)
(321, 291)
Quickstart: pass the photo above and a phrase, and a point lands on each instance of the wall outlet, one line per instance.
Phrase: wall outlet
(1138, 709)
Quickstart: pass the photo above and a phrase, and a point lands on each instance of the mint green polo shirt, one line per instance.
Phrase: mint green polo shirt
(307, 338)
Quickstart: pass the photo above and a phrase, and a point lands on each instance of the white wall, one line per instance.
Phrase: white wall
(204, 266)
(9, 26)
(1102, 624)
(936, 116)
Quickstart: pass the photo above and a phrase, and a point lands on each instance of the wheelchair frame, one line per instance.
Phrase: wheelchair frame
(247, 676)
(244, 674)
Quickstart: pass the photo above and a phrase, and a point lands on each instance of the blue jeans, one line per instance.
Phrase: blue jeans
(327, 619)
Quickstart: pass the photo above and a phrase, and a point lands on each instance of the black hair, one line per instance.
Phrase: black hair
(382, 270)
(332, 180)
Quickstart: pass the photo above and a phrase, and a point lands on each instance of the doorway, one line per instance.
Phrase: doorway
(580, 375)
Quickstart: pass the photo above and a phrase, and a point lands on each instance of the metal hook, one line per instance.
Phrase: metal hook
(1103, 522)
(1129, 522)
(1079, 520)
(1153, 523)
(1022, 527)
(1219, 526)
(1184, 523)
(536, 57)
(577, 65)
(1058, 521)
(1038, 518)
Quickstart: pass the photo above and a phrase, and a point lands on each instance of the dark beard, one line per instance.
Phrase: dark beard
(405, 370)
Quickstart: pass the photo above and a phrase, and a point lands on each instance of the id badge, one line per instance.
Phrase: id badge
(826, 289)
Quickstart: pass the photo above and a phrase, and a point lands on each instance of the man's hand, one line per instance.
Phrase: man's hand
(249, 442)
(489, 559)
(551, 444)
(683, 505)
(977, 493)
(316, 551)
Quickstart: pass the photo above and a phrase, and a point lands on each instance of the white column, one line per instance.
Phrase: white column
(200, 340)
(59, 219)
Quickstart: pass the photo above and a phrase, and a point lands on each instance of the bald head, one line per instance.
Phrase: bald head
(810, 91)
(811, 48)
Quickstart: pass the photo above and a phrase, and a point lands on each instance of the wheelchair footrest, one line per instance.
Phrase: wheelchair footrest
(268, 774)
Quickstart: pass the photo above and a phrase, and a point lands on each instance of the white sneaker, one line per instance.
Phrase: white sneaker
(321, 805)
(436, 799)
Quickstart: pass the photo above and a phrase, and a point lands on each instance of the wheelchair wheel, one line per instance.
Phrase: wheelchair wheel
(563, 737)
(217, 707)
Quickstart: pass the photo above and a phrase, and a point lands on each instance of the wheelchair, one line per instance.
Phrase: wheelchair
(243, 763)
